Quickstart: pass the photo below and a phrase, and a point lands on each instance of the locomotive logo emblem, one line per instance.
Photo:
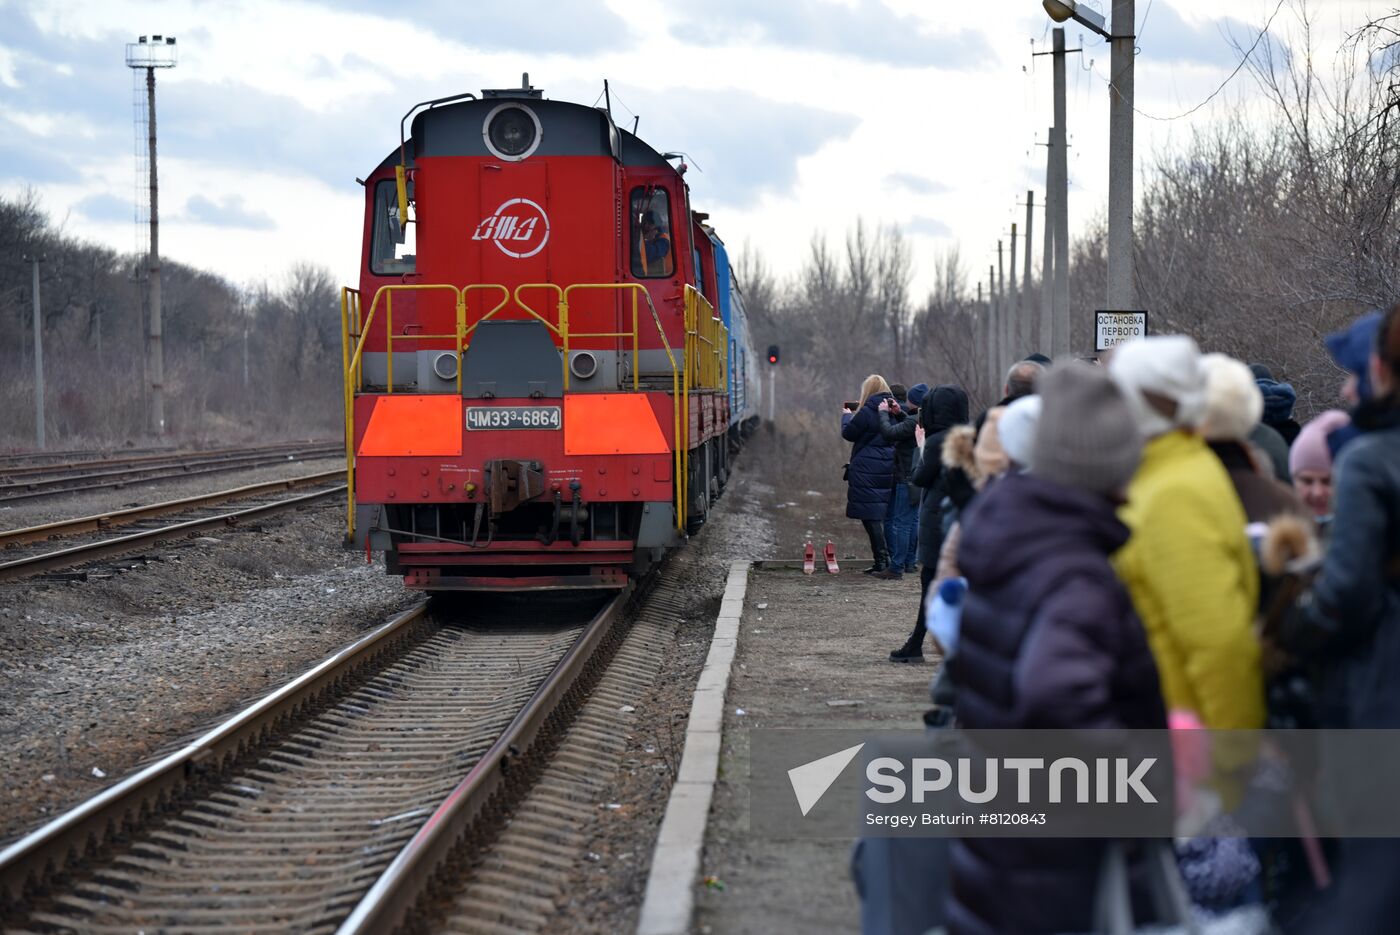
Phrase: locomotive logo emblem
(519, 228)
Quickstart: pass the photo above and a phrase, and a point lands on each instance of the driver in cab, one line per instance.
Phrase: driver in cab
(656, 244)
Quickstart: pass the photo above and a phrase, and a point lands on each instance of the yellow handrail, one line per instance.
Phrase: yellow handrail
(701, 326)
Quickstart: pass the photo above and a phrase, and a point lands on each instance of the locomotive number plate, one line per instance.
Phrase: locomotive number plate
(513, 417)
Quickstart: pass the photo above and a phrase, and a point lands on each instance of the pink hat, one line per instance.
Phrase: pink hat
(1310, 451)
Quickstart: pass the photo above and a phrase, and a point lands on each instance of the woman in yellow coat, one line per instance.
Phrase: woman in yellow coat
(1188, 566)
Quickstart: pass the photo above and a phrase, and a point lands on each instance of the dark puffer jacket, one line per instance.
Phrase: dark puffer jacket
(1278, 408)
(1049, 640)
(871, 470)
(944, 407)
(1350, 620)
(898, 430)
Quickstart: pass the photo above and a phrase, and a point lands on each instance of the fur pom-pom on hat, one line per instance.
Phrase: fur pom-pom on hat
(1289, 541)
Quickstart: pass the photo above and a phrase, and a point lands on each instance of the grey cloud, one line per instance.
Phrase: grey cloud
(578, 27)
(929, 227)
(229, 212)
(869, 30)
(747, 145)
(106, 207)
(1167, 37)
(918, 184)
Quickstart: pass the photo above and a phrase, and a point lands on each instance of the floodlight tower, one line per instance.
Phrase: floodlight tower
(158, 52)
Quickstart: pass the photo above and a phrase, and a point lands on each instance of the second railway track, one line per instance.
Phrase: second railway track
(68, 543)
(30, 483)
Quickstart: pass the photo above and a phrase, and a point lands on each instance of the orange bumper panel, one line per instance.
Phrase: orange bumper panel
(413, 424)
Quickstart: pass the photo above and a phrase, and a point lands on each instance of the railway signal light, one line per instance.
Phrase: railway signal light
(773, 354)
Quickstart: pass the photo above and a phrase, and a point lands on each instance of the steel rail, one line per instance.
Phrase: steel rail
(100, 521)
(172, 455)
(79, 454)
(392, 897)
(50, 847)
(120, 544)
(108, 480)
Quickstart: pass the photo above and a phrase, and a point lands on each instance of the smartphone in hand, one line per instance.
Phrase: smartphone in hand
(850, 407)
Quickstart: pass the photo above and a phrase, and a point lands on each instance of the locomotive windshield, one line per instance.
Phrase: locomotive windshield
(652, 250)
(393, 251)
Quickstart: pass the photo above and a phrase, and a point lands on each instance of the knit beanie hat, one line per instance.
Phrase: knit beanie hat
(1017, 429)
(1233, 401)
(1088, 435)
(917, 392)
(1310, 451)
(1166, 366)
(1352, 346)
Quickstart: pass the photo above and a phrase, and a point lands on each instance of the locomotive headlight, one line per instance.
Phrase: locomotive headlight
(511, 131)
(583, 365)
(445, 366)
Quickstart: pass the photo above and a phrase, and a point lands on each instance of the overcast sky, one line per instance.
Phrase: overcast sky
(799, 116)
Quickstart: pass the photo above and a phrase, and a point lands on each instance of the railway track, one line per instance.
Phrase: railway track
(30, 458)
(32, 550)
(335, 801)
(35, 481)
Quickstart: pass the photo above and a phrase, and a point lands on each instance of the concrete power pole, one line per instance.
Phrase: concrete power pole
(1059, 150)
(1047, 263)
(1122, 293)
(1027, 312)
(1003, 308)
(38, 358)
(993, 330)
(1013, 305)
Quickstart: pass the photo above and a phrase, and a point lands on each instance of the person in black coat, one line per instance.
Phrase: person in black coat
(944, 407)
(870, 471)
(1049, 639)
(1347, 625)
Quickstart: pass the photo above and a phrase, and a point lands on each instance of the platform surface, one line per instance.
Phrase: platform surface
(813, 651)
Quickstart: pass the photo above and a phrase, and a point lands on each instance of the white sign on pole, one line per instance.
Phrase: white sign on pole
(1114, 328)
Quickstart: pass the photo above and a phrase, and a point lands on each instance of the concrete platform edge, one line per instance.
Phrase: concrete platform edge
(669, 902)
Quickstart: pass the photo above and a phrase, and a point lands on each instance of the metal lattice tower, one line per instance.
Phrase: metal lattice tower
(146, 56)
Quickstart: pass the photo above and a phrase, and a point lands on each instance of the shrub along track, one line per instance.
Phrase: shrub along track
(340, 799)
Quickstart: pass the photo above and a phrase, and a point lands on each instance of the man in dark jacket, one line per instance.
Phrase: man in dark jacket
(869, 475)
(897, 423)
(1049, 639)
(1278, 403)
(944, 407)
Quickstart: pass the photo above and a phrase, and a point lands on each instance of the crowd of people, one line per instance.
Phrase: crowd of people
(1122, 529)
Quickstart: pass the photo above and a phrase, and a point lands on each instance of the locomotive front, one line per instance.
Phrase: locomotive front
(537, 385)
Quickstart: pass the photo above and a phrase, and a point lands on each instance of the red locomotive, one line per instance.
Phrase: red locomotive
(539, 391)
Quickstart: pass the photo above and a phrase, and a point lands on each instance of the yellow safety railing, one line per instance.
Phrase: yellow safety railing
(703, 365)
(706, 343)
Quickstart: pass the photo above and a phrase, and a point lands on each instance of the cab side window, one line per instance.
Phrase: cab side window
(652, 248)
(394, 246)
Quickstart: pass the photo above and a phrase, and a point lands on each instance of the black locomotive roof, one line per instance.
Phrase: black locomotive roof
(566, 129)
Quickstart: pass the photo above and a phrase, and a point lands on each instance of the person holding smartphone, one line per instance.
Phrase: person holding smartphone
(870, 471)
